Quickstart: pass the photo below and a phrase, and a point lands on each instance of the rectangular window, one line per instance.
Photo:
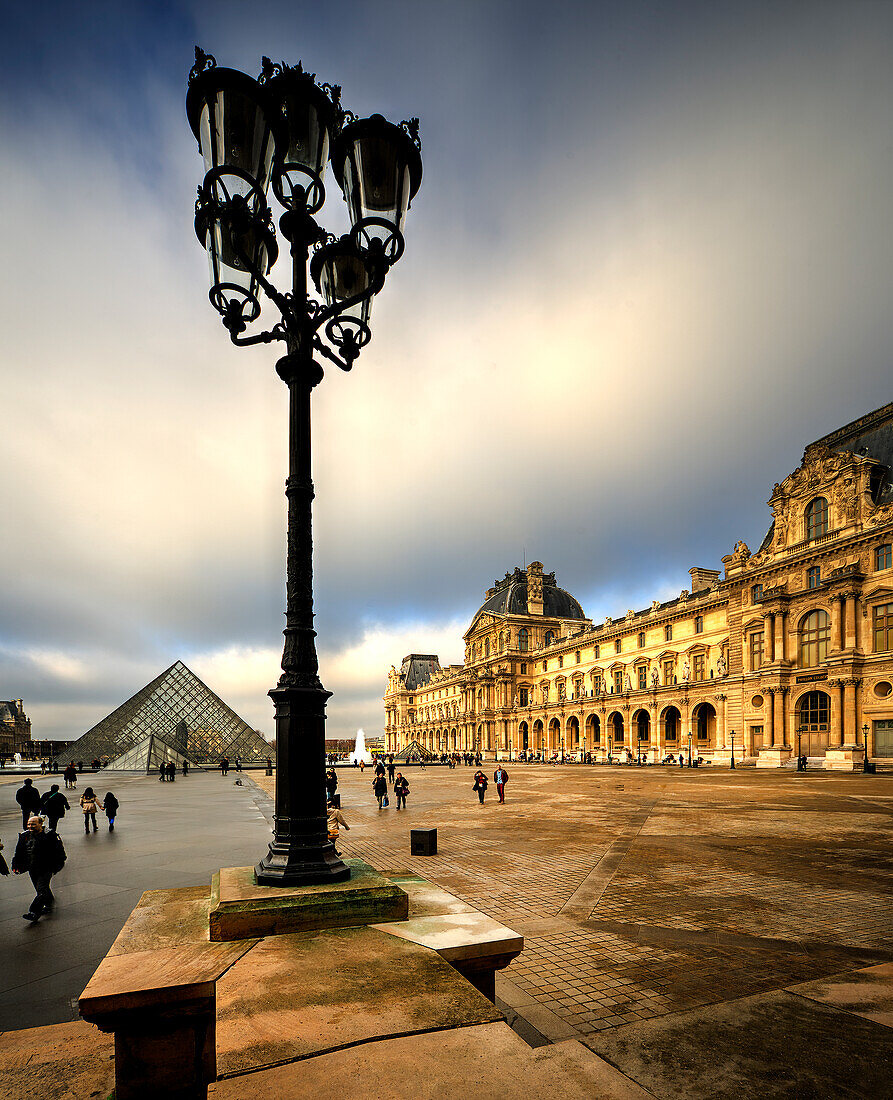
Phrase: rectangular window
(577, 655)
(756, 593)
(617, 645)
(523, 668)
(883, 627)
(698, 663)
(545, 666)
(668, 632)
(618, 681)
(598, 652)
(561, 662)
(641, 639)
(598, 685)
(883, 556)
(699, 624)
(669, 666)
(523, 695)
(643, 677)
(813, 577)
(756, 650)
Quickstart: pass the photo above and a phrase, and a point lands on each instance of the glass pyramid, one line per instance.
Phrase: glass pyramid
(413, 753)
(147, 755)
(175, 714)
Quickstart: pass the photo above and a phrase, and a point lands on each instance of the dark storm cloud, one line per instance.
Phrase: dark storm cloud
(648, 263)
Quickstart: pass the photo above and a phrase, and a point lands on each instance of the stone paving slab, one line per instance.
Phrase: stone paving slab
(867, 993)
(771, 1047)
(486, 1062)
(284, 1001)
(73, 1061)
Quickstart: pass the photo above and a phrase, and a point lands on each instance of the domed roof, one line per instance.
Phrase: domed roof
(509, 597)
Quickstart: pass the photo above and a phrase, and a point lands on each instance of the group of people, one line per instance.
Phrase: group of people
(167, 772)
(481, 783)
(380, 785)
(39, 849)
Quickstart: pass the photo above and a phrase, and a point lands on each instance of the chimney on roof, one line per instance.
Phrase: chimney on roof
(702, 578)
(535, 588)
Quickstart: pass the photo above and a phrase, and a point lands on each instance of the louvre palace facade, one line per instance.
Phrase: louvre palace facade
(785, 651)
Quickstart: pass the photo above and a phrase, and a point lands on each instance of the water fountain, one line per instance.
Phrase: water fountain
(360, 751)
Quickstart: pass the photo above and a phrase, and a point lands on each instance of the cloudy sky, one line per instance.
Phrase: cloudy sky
(650, 261)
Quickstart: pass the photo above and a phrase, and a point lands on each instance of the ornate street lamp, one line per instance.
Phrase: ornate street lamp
(732, 735)
(282, 130)
(866, 767)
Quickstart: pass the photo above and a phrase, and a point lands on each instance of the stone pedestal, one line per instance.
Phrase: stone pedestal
(775, 757)
(240, 909)
(844, 758)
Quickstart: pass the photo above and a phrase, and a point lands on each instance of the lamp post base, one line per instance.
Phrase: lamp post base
(286, 867)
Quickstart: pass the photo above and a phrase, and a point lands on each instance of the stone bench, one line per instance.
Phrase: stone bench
(161, 1005)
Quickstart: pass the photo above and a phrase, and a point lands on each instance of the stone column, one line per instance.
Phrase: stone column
(835, 733)
(850, 620)
(721, 723)
(770, 720)
(768, 637)
(659, 738)
(780, 728)
(779, 654)
(836, 623)
(849, 711)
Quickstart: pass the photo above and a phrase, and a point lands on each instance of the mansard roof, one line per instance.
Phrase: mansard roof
(872, 436)
(417, 668)
(509, 597)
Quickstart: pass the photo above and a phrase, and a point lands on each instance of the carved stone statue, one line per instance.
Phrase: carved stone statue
(627, 683)
(655, 605)
(685, 672)
(721, 666)
(655, 678)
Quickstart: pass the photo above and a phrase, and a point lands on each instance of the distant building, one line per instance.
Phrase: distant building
(15, 728)
(789, 649)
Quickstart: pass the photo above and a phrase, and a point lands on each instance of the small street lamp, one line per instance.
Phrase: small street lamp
(689, 748)
(610, 746)
(800, 731)
(732, 735)
(282, 130)
(866, 767)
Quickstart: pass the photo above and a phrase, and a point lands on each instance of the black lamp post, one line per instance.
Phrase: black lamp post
(732, 735)
(689, 748)
(282, 129)
(866, 767)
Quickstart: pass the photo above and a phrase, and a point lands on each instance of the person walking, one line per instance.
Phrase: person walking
(331, 786)
(110, 805)
(480, 785)
(185, 767)
(238, 763)
(401, 789)
(42, 855)
(500, 778)
(335, 818)
(391, 767)
(28, 798)
(53, 805)
(70, 776)
(171, 771)
(89, 805)
(380, 788)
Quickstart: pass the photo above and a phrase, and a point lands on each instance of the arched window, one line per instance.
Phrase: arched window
(814, 711)
(523, 637)
(815, 633)
(817, 518)
(550, 637)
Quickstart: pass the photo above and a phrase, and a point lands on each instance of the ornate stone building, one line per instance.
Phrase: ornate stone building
(15, 728)
(788, 650)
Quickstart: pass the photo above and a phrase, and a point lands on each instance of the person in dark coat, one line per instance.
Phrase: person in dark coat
(70, 775)
(391, 768)
(53, 805)
(110, 805)
(401, 789)
(380, 787)
(500, 778)
(28, 798)
(331, 784)
(42, 855)
(480, 785)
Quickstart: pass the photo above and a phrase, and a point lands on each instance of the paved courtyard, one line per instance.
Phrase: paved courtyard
(672, 917)
(644, 892)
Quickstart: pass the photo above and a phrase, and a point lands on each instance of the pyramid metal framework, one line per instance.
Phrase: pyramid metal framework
(414, 753)
(147, 755)
(177, 715)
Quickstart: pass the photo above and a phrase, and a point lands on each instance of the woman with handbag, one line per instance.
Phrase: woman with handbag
(480, 785)
(90, 804)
